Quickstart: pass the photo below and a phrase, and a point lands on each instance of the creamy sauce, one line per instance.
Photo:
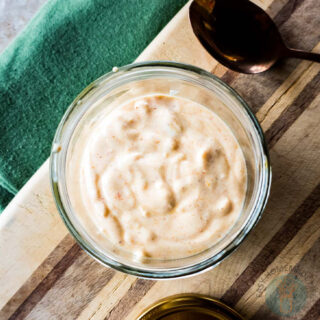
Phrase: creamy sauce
(159, 176)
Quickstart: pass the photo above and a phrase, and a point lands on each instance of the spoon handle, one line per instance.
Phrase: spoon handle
(294, 53)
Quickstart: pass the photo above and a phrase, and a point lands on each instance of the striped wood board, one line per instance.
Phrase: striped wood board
(45, 275)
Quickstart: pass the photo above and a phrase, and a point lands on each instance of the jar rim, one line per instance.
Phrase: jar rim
(56, 179)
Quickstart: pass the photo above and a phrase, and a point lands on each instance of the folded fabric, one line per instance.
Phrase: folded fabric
(66, 46)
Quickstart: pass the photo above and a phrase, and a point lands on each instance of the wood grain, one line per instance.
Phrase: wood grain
(304, 241)
(273, 248)
(62, 282)
(38, 276)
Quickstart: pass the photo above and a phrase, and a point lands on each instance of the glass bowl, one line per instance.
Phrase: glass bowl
(173, 79)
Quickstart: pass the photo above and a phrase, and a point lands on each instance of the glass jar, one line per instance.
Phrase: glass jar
(178, 80)
(189, 306)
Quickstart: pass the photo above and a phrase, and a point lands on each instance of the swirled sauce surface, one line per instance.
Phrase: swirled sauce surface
(159, 176)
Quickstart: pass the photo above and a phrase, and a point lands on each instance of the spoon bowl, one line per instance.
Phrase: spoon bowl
(240, 35)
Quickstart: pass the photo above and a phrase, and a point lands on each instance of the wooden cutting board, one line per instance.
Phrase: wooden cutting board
(45, 275)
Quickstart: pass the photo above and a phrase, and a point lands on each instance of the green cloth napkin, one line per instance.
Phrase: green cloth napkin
(67, 45)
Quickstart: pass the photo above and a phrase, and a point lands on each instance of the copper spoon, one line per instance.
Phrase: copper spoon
(240, 35)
